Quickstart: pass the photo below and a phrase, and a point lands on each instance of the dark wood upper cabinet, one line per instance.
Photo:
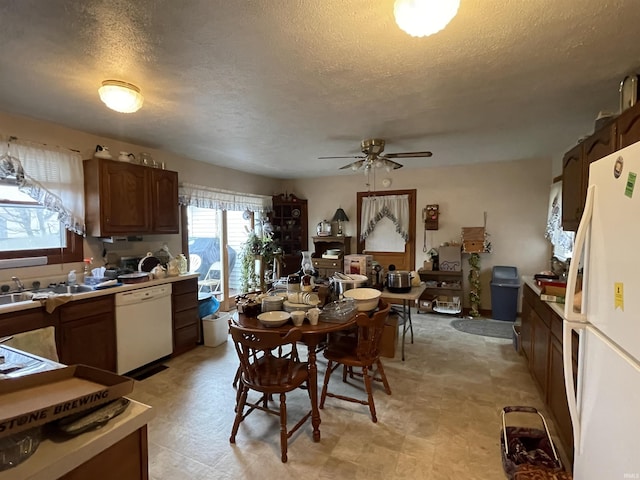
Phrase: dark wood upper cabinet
(575, 172)
(126, 199)
(572, 188)
(628, 127)
(164, 201)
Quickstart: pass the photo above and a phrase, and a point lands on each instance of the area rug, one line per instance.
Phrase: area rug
(484, 327)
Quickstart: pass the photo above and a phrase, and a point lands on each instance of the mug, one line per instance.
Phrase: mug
(313, 314)
(298, 317)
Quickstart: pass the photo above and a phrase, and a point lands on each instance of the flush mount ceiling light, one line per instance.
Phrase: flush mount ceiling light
(120, 96)
(420, 18)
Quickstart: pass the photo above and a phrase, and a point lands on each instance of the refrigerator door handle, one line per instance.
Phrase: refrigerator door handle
(567, 361)
(578, 251)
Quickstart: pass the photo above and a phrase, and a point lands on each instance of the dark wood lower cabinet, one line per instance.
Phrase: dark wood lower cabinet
(186, 318)
(126, 459)
(541, 340)
(538, 363)
(88, 333)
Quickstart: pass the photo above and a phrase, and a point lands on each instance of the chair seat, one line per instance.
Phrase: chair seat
(274, 373)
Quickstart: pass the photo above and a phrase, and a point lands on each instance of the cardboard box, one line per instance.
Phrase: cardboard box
(358, 264)
(450, 259)
(389, 337)
(555, 290)
(427, 265)
(40, 398)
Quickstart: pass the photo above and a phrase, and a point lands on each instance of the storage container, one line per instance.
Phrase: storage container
(215, 329)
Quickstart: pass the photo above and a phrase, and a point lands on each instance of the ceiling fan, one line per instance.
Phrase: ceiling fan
(373, 156)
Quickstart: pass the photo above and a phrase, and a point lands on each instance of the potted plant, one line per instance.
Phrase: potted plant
(262, 247)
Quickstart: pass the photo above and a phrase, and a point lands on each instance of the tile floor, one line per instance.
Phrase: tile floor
(441, 422)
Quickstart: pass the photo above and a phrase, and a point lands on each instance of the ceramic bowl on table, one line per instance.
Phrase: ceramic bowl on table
(274, 318)
(366, 298)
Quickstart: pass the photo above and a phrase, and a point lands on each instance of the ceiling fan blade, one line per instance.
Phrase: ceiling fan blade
(351, 156)
(392, 164)
(408, 155)
(354, 165)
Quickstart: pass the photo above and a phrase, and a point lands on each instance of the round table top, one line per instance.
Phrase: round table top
(321, 328)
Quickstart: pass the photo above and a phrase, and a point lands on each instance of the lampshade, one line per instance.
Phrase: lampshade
(121, 96)
(420, 18)
(340, 216)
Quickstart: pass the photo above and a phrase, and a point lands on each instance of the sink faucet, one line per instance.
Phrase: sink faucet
(19, 284)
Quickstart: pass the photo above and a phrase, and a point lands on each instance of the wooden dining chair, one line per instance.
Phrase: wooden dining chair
(361, 351)
(269, 364)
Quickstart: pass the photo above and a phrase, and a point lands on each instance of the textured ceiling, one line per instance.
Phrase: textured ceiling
(268, 86)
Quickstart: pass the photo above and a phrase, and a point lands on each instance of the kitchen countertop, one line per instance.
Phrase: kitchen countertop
(29, 304)
(54, 459)
(558, 308)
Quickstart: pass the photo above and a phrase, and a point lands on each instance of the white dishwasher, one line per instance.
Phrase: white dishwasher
(144, 331)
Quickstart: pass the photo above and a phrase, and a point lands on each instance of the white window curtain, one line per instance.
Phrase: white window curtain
(51, 175)
(207, 197)
(394, 207)
(562, 241)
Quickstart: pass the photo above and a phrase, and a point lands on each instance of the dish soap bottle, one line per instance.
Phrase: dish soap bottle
(71, 278)
(86, 271)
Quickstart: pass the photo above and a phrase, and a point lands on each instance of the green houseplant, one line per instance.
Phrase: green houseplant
(264, 247)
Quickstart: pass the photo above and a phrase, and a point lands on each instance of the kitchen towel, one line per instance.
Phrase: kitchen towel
(54, 301)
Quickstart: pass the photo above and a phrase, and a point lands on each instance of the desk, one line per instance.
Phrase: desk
(312, 335)
(407, 299)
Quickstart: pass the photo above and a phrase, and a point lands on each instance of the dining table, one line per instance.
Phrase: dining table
(312, 336)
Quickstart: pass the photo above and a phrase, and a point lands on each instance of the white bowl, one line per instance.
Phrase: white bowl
(366, 298)
(274, 318)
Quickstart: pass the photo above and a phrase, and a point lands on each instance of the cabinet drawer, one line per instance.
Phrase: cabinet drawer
(185, 339)
(328, 263)
(86, 308)
(544, 311)
(185, 286)
(184, 302)
(556, 326)
(186, 317)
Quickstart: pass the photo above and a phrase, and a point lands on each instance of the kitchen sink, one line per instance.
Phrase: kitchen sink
(27, 295)
(9, 298)
(64, 289)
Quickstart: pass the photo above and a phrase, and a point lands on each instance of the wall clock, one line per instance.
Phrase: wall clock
(628, 92)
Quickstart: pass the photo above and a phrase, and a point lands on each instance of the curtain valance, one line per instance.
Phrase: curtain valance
(394, 207)
(207, 197)
(51, 175)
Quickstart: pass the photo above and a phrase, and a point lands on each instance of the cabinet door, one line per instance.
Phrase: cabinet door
(597, 146)
(557, 398)
(525, 329)
(539, 351)
(164, 201)
(124, 199)
(90, 341)
(628, 127)
(572, 188)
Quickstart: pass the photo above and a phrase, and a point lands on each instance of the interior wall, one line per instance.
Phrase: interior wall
(514, 195)
(189, 171)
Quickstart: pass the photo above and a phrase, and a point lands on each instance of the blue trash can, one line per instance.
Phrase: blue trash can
(505, 285)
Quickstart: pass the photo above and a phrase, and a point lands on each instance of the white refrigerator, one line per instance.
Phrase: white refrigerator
(605, 402)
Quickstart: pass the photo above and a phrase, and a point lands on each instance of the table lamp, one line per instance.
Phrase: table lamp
(340, 217)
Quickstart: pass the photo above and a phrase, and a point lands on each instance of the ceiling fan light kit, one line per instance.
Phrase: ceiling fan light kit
(373, 157)
(421, 18)
(121, 96)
